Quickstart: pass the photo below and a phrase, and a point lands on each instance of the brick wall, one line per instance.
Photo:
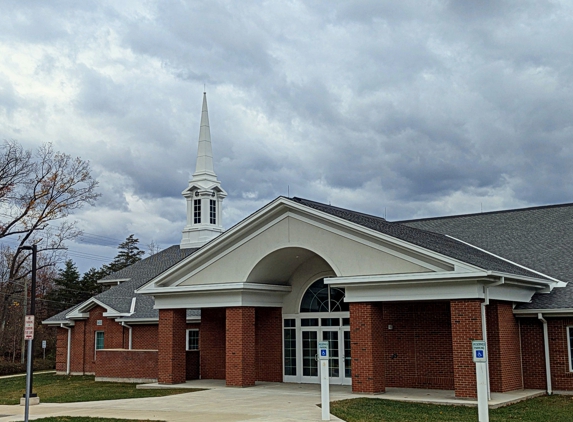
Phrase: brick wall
(143, 337)
(561, 377)
(171, 342)
(418, 348)
(83, 354)
(61, 350)
(130, 364)
(367, 348)
(268, 337)
(240, 347)
(466, 326)
(533, 353)
(504, 351)
(78, 347)
(212, 343)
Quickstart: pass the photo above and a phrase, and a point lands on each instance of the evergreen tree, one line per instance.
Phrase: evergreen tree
(129, 253)
(68, 289)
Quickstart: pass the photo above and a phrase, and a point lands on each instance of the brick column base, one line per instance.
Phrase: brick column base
(367, 348)
(466, 326)
(240, 347)
(171, 346)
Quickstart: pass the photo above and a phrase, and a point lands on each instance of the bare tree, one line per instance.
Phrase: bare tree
(38, 191)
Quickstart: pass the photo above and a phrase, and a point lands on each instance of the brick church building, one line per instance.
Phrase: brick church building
(398, 302)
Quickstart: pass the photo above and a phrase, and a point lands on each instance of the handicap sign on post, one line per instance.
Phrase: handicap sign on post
(478, 349)
(323, 349)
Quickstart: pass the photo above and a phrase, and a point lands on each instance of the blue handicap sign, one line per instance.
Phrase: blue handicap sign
(323, 352)
(479, 354)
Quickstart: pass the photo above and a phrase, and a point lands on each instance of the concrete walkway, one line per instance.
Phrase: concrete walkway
(264, 402)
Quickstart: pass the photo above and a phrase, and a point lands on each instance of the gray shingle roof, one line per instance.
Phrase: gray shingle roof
(436, 242)
(119, 297)
(539, 238)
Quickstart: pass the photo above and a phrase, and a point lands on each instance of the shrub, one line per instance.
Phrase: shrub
(11, 368)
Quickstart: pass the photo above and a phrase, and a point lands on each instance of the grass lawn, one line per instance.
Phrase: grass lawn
(87, 419)
(548, 408)
(66, 389)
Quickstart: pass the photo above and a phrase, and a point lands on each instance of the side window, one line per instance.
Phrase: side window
(193, 339)
(99, 341)
(570, 348)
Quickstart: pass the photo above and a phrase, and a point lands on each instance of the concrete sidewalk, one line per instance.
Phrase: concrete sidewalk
(279, 402)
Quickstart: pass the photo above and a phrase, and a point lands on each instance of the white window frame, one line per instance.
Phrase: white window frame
(187, 340)
(95, 342)
(569, 329)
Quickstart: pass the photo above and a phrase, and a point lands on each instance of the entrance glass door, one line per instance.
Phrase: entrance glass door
(346, 357)
(309, 355)
(334, 359)
(300, 348)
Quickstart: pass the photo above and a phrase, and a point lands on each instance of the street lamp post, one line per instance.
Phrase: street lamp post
(30, 363)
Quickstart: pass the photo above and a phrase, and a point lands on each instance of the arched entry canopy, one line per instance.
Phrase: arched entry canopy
(264, 258)
(279, 266)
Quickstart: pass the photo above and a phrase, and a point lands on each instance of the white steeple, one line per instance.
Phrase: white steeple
(204, 194)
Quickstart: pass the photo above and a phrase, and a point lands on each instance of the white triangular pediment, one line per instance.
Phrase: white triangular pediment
(284, 225)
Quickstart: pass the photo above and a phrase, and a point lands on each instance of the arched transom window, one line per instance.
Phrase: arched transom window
(322, 298)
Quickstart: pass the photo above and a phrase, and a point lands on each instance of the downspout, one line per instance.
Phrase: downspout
(129, 328)
(484, 327)
(69, 352)
(547, 360)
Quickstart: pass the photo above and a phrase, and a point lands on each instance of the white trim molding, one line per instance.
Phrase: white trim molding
(438, 286)
(219, 295)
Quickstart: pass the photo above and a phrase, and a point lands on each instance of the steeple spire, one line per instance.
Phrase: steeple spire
(204, 194)
(204, 166)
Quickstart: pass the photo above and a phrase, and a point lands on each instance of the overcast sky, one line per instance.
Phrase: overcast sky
(413, 108)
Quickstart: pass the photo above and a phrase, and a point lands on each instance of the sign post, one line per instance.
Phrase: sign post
(323, 355)
(28, 335)
(479, 356)
(44, 348)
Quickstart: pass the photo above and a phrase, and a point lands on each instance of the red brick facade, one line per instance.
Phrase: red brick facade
(466, 326)
(61, 350)
(504, 349)
(367, 348)
(240, 347)
(268, 338)
(533, 353)
(127, 364)
(418, 348)
(212, 343)
(172, 358)
(246, 343)
(83, 340)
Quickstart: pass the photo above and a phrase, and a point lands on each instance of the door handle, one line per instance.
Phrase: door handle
(316, 357)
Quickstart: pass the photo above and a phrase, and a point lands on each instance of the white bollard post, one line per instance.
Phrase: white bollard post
(481, 378)
(324, 379)
(479, 356)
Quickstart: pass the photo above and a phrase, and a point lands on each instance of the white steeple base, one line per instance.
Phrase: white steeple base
(195, 237)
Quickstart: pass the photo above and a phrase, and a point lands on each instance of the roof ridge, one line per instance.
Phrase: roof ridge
(297, 199)
(443, 217)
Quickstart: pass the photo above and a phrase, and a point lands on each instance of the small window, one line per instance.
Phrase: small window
(197, 211)
(213, 211)
(99, 344)
(570, 348)
(193, 339)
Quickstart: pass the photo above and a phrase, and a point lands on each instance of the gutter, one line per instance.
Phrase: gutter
(129, 328)
(69, 351)
(547, 358)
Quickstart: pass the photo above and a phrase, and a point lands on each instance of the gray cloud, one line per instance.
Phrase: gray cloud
(416, 108)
